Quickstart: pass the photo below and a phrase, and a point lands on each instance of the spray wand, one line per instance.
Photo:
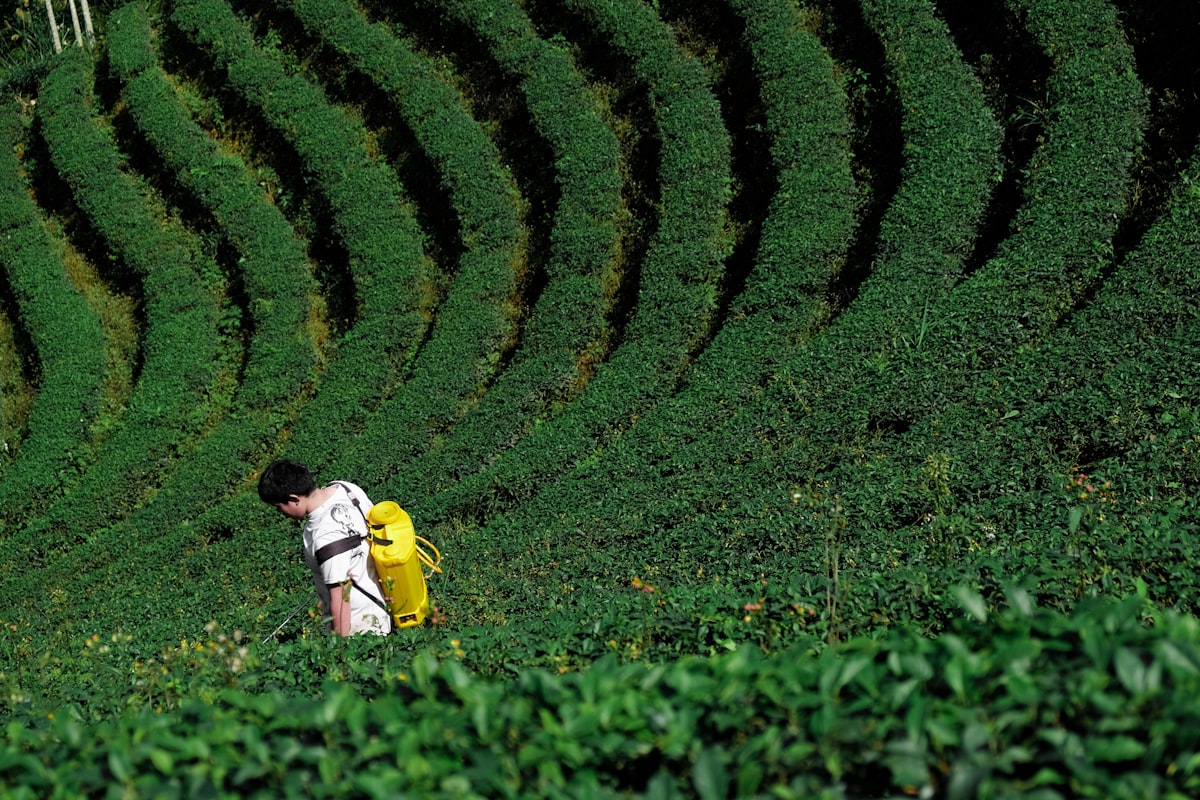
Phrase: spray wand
(298, 609)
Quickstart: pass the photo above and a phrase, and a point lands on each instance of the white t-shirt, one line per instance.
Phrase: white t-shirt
(334, 520)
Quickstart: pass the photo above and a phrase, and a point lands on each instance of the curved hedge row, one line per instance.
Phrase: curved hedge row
(810, 218)
(828, 424)
(925, 236)
(564, 335)
(181, 343)
(273, 274)
(477, 321)
(679, 274)
(1109, 393)
(275, 277)
(858, 396)
(392, 276)
(1098, 436)
(1082, 172)
(66, 335)
(808, 228)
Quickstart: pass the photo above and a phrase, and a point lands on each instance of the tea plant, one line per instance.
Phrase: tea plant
(811, 423)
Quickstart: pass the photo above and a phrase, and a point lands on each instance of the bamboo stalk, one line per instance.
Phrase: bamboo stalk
(53, 27)
(75, 23)
(87, 25)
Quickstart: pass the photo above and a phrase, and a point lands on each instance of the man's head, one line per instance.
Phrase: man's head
(286, 485)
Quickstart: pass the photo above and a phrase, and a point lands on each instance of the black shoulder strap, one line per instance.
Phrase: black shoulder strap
(341, 546)
(337, 548)
(370, 528)
(371, 597)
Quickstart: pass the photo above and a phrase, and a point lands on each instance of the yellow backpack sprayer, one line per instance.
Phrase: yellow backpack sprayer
(400, 562)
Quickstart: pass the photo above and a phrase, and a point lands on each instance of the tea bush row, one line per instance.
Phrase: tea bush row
(1108, 395)
(806, 233)
(394, 281)
(805, 237)
(1083, 167)
(272, 272)
(679, 275)
(66, 334)
(1024, 701)
(907, 374)
(683, 472)
(1091, 498)
(477, 320)
(564, 337)
(811, 218)
(274, 275)
(185, 343)
(1082, 172)
(820, 414)
(239, 568)
(933, 496)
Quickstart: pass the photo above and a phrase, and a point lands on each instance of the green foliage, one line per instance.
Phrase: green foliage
(805, 237)
(814, 497)
(184, 345)
(273, 274)
(679, 275)
(811, 401)
(564, 335)
(1018, 701)
(866, 432)
(476, 321)
(67, 337)
(393, 278)
(1034, 278)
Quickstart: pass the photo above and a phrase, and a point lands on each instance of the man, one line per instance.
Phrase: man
(335, 547)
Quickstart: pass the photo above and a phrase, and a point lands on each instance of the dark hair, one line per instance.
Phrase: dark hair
(282, 479)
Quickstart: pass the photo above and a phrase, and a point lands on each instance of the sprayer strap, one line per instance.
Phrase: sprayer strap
(354, 583)
(337, 548)
(373, 598)
(354, 499)
(342, 546)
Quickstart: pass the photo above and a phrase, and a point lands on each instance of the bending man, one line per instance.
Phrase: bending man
(335, 545)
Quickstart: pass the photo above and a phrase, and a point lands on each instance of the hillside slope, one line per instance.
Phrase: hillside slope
(824, 331)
